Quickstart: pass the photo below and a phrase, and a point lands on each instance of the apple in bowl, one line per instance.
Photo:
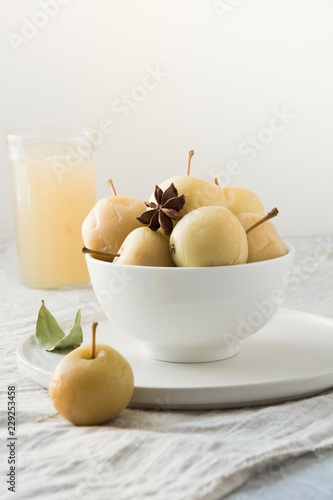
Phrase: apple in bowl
(207, 272)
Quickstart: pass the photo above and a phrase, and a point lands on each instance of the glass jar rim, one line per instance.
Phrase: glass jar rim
(19, 139)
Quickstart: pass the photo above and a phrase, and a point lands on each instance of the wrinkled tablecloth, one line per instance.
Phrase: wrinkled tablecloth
(158, 454)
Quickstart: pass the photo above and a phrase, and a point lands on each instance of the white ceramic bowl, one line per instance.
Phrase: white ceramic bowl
(190, 314)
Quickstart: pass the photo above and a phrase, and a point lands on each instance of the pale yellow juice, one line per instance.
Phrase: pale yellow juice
(53, 193)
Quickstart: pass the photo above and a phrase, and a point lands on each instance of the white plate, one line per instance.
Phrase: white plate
(291, 357)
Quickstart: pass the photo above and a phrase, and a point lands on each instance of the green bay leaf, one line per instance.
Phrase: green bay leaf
(48, 331)
(75, 335)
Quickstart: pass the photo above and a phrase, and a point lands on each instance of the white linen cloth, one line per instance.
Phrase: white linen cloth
(145, 454)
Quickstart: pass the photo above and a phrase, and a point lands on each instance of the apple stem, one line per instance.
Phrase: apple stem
(111, 185)
(97, 252)
(93, 344)
(216, 181)
(270, 215)
(190, 155)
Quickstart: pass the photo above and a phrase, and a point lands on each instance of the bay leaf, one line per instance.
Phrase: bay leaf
(75, 336)
(48, 331)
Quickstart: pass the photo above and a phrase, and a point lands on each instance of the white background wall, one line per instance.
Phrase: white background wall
(229, 65)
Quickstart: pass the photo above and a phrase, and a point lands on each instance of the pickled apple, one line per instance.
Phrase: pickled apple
(264, 243)
(241, 200)
(198, 193)
(144, 247)
(208, 236)
(110, 221)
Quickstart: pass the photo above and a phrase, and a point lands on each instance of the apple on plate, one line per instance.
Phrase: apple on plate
(91, 384)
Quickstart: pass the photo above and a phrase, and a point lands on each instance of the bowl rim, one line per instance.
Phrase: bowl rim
(290, 253)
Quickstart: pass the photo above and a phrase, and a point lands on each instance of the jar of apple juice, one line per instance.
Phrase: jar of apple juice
(54, 187)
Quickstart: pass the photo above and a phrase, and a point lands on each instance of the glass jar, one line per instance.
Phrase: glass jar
(54, 188)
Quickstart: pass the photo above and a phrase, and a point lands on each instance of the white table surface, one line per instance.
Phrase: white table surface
(304, 477)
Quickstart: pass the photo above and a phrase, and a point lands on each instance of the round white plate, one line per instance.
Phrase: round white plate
(291, 357)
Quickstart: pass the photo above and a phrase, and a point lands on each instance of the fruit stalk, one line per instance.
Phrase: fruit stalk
(111, 185)
(270, 215)
(97, 252)
(93, 340)
(190, 155)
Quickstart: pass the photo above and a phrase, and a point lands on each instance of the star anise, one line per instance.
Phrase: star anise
(164, 210)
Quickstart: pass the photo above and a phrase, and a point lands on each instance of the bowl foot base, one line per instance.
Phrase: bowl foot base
(190, 354)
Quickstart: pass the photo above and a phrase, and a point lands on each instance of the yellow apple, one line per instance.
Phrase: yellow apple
(109, 222)
(198, 193)
(144, 247)
(91, 391)
(208, 236)
(263, 241)
(241, 200)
